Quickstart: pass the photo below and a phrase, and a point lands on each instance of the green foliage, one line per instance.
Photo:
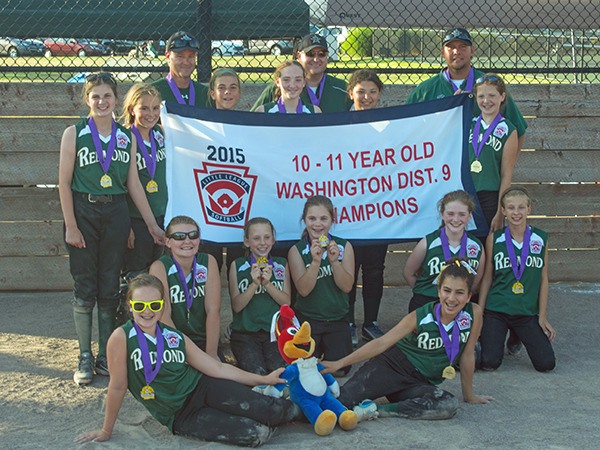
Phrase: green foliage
(358, 43)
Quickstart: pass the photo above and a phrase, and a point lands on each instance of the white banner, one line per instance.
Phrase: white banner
(384, 169)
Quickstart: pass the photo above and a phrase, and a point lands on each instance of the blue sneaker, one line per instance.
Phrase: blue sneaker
(371, 332)
(354, 334)
(366, 410)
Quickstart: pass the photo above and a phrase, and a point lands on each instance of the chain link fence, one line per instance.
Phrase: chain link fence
(535, 41)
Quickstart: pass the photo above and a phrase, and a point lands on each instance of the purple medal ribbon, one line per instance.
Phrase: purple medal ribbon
(517, 268)
(452, 347)
(470, 80)
(253, 260)
(282, 110)
(110, 150)
(177, 93)
(315, 99)
(189, 294)
(475, 142)
(149, 372)
(149, 158)
(462, 252)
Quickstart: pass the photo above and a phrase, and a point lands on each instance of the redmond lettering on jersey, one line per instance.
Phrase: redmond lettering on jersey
(492, 141)
(323, 271)
(87, 157)
(436, 265)
(169, 355)
(426, 343)
(243, 286)
(501, 261)
(161, 154)
(178, 294)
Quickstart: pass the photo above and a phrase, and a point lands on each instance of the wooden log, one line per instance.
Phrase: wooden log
(563, 133)
(29, 203)
(557, 166)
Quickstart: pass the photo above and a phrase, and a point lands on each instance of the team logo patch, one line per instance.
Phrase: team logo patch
(279, 272)
(201, 274)
(472, 250)
(463, 320)
(122, 140)
(172, 338)
(535, 246)
(225, 193)
(159, 138)
(501, 130)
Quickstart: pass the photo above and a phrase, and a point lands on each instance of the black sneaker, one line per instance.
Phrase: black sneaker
(101, 366)
(371, 332)
(85, 371)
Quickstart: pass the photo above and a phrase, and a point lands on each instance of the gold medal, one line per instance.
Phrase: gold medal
(323, 241)
(152, 187)
(106, 181)
(449, 372)
(518, 288)
(262, 262)
(147, 393)
(476, 167)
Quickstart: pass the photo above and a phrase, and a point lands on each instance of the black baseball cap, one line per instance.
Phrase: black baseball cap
(311, 41)
(180, 41)
(458, 34)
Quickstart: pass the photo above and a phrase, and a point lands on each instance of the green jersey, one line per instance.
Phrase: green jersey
(435, 262)
(326, 302)
(257, 314)
(491, 155)
(156, 199)
(192, 323)
(439, 87)
(175, 379)
(334, 97)
(501, 297)
(88, 171)
(425, 349)
(200, 92)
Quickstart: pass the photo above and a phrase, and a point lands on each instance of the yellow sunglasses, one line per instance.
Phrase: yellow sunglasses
(140, 306)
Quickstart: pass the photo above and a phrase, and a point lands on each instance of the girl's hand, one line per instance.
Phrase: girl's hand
(330, 367)
(157, 234)
(273, 378)
(547, 328)
(131, 240)
(256, 275)
(74, 238)
(333, 251)
(94, 436)
(497, 222)
(266, 273)
(479, 399)
(316, 251)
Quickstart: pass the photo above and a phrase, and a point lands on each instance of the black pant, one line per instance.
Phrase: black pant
(393, 376)
(488, 200)
(225, 411)
(254, 352)
(145, 251)
(527, 329)
(372, 260)
(216, 250)
(419, 300)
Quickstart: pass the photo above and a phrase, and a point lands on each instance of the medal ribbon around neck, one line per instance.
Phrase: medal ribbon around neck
(189, 293)
(452, 347)
(469, 84)
(315, 99)
(149, 158)
(475, 142)
(253, 259)
(282, 110)
(177, 93)
(462, 252)
(517, 268)
(110, 150)
(149, 372)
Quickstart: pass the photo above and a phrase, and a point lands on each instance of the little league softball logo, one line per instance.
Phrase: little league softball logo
(225, 193)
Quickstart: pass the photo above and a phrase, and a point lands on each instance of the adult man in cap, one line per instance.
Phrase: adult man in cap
(323, 90)
(182, 52)
(459, 76)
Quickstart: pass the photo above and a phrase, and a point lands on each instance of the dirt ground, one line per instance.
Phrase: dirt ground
(41, 407)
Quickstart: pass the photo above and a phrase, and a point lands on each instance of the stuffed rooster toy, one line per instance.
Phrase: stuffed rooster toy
(314, 393)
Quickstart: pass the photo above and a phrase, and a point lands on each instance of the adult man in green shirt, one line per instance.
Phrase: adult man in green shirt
(181, 52)
(323, 90)
(459, 76)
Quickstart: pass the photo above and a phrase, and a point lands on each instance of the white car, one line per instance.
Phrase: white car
(228, 48)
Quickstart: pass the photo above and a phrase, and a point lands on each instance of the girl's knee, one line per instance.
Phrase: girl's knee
(546, 365)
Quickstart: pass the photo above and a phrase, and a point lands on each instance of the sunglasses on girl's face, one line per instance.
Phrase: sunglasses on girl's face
(181, 235)
(320, 54)
(140, 306)
(487, 78)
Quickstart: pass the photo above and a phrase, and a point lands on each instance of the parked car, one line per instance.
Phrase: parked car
(118, 46)
(74, 47)
(14, 47)
(334, 35)
(228, 48)
(273, 46)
